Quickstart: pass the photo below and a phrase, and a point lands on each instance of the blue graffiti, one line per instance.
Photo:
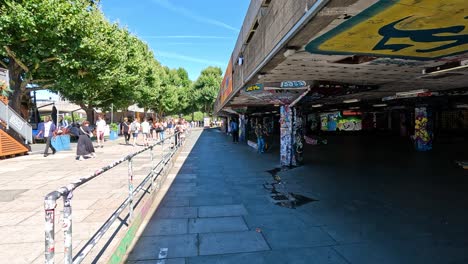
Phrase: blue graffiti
(420, 35)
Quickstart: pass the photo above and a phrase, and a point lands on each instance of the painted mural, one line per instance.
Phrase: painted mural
(349, 124)
(298, 137)
(226, 85)
(422, 130)
(335, 121)
(408, 29)
(329, 121)
(285, 135)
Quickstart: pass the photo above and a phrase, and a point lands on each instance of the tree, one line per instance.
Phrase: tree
(35, 36)
(207, 88)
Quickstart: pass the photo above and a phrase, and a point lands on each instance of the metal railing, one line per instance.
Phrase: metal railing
(15, 121)
(66, 192)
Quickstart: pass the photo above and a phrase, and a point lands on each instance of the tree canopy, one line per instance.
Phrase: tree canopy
(68, 46)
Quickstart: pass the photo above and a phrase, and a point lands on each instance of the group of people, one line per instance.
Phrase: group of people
(152, 130)
(149, 129)
(260, 131)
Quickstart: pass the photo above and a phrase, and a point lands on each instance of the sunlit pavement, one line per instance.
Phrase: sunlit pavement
(24, 181)
(370, 206)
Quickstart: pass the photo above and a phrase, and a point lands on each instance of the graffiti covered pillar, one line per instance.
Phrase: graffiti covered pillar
(242, 132)
(286, 125)
(297, 137)
(423, 129)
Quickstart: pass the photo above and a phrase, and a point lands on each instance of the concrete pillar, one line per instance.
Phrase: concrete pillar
(242, 132)
(423, 129)
(286, 124)
(292, 136)
(298, 137)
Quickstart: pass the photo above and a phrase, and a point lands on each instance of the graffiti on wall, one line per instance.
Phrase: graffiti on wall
(298, 137)
(329, 121)
(349, 124)
(408, 29)
(285, 135)
(226, 85)
(422, 130)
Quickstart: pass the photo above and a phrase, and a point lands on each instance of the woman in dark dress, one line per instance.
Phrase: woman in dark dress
(85, 146)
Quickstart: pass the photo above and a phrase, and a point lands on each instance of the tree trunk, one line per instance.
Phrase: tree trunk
(89, 112)
(14, 98)
(193, 116)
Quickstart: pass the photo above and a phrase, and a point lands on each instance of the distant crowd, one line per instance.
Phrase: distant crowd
(135, 132)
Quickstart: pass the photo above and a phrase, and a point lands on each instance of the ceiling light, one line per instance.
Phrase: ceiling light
(317, 105)
(349, 101)
(354, 107)
(274, 112)
(449, 66)
(413, 92)
(276, 105)
(379, 105)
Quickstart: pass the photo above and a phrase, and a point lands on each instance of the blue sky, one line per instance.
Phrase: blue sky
(192, 34)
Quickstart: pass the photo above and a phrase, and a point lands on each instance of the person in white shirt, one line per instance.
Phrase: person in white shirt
(145, 130)
(135, 128)
(100, 127)
(47, 130)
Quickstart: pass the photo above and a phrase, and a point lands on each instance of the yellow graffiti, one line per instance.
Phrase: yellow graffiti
(408, 28)
(253, 88)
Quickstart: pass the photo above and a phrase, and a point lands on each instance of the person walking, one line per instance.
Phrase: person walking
(125, 129)
(260, 138)
(47, 130)
(84, 146)
(135, 128)
(235, 131)
(100, 127)
(145, 130)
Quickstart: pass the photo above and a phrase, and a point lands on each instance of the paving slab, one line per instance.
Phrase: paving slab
(158, 261)
(179, 246)
(290, 237)
(159, 227)
(177, 212)
(231, 242)
(222, 210)
(316, 255)
(217, 224)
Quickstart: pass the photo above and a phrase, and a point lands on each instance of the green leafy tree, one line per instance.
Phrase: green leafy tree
(36, 36)
(207, 88)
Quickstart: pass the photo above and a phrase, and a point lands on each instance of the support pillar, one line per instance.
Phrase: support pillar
(286, 125)
(242, 132)
(423, 129)
(298, 137)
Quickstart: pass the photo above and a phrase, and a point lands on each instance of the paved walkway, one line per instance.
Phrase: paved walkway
(24, 182)
(372, 206)
(218, 210)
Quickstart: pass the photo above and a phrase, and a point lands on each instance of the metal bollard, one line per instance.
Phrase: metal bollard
(49, 206)
(130, 188)
(67, 228)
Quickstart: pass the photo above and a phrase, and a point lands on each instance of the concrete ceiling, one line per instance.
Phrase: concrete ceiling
(391, 75)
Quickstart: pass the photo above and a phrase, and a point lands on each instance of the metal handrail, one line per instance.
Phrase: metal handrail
(50, 203)
(15, 121)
